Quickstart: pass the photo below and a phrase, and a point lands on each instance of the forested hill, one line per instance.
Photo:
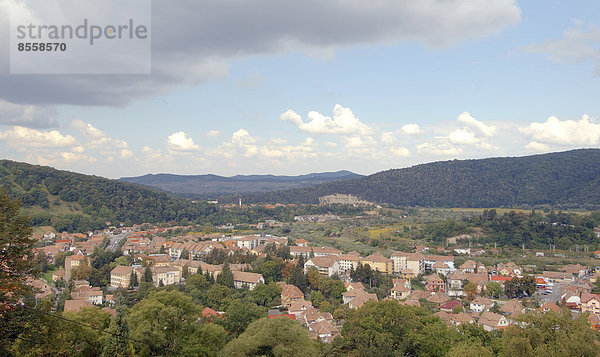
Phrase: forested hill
(570, 178)
(66, 200)
(212, 185)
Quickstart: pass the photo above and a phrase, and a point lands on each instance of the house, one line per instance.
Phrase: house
(441, 268)
(553, 277)
(289, 294)
(399, 292)
(454, 282)
(434, 283)
(571, 300)
(480, 304)
(462, 318)
(408, 263)
(575, 269)
(76, 305)
(450, 305)
(491, 321)
(590, 303)
(378, 262)
(438, 298)
(41, 289)
(120, 276)
(59, 274)
(468, 267)
(297, 308)
(550, 306)
(326, 265)
(362, 298)
(301, 242)
(74, 261)
(306, 252)
(324, 330)
(511, 307)
(242, 279)
(348, 261)
(430, 260)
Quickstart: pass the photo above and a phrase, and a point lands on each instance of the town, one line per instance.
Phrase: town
(311, 284)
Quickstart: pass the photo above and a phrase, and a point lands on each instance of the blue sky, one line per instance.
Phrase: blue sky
(494, 78)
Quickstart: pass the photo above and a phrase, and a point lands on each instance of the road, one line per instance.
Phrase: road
(116, 239)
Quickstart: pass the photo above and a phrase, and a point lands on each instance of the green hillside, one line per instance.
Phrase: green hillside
(570, 179)
(69, 201)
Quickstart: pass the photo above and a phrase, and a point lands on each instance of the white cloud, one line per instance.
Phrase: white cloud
(26, 137)
(410, 129)
(535, 146)
(388, 138)
(180, 141)
(126, 154)
(27, 115)
(400, 151)
(463, 136)
(98, 139)
(213, 133)
(442, 149)
(354, 142)
(577, 45)
(564, 132)
(344, 122)
(484, 129)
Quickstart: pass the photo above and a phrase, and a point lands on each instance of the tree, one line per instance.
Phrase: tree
(148, 275)
(550, 334)
(273, 337)
(226, 276)
(16, 257)
(265, 294)
(494, 289)
(133, 281)
(185, 272)
(239, 315)
(81, 272)
(163, 319)
(470, 289)
(118, 346)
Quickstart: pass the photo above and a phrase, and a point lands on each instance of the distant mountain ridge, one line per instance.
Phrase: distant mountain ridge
(570, 178)
(213, 185)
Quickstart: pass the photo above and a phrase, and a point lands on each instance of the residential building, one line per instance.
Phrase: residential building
(434, 283)
(481, 304)
(590, 303)
(326, 265)
(348, 261)
(491, 321)
(242, 279)
(290, 293)
(74, 261)
(378, 262)
(120, 276)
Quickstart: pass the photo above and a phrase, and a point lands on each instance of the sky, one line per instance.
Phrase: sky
(293, 87)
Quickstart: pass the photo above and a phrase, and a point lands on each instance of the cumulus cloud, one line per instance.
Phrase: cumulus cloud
(126, 154)
(388, 138)
(181, 142)
(213, 133)
(463, 136)
(484, 129)
(410, 129)
(27, 137)
(400, 151)
(535, 146)
(440, 149)
(27, 115)
(564, 132)
(577, 45)
(98, 139)
(343, 122)
(194, 41)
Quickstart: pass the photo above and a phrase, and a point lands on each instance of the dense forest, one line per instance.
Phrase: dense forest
(72, 202)
(211, 186)
(97, 199)
(567, 179)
